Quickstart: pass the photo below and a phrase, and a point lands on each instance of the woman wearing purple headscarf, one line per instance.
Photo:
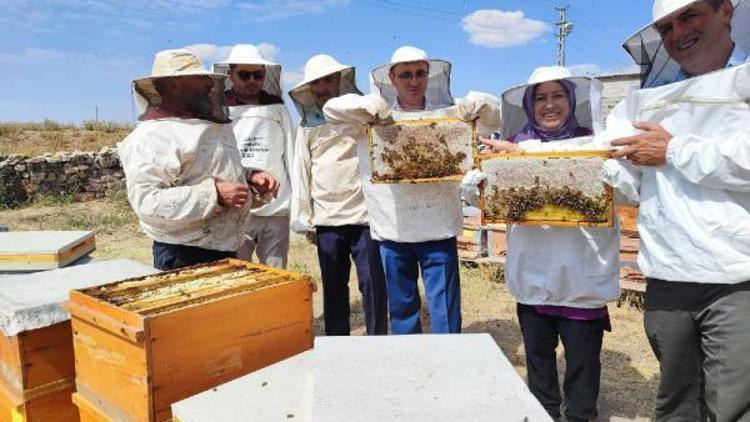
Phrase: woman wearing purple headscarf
(562, 278)
(550, 111)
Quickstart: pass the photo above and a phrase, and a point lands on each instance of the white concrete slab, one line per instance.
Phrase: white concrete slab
(33, 301)
(423, 378)
(17, 249)
(280, 392)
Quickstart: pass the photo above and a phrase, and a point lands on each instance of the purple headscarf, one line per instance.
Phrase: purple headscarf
(534, 130)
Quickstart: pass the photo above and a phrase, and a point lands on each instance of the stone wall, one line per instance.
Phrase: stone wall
(84, 175)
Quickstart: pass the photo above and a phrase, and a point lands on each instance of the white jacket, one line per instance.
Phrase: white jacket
(405, 212)
(694, 218)
(170, 165)
(560, 266)
(265, 138)
(327, 188)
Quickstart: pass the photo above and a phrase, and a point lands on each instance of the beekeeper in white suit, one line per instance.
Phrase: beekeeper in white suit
(417, 224)
(265, 139)
(182, 169)
(562, 277)
(684, 149)
(328, 202)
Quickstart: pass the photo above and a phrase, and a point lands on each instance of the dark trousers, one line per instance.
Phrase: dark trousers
(583, 344)
(700, 333)
(172, 257)
(335, 246)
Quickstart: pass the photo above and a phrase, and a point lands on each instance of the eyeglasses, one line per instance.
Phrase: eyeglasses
(245, 76)
(419, 74)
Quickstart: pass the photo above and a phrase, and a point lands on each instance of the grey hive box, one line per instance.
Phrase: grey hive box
(421, 378)
(43, 250)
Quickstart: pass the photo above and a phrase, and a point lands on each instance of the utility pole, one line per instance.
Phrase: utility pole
(564, 28)
(96, 114)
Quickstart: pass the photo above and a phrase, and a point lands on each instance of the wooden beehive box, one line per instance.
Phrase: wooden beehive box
(145, 343)
(421, 150)
(37, 368)
(43, 250)
(37, 375)
(550, 188)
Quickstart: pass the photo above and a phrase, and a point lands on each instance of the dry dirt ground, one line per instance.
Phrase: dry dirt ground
(629, 374)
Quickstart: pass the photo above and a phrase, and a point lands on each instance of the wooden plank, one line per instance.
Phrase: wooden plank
(9, 407)
(79, 250)
(113, 368)
(88, 411)
(56, 406)
(10, 362)
(47, 355)
(200, 347)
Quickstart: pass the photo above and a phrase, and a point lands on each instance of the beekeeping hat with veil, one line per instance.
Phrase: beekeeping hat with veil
(438, 93)
(648, 51)
(318, 67)
(250, 54)
(199, 92)
(584, 95)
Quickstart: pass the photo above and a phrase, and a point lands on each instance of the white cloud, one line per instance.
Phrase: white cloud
(497, 28)
(291, 78)
(266, 10)
(211, 53)
(268, 50)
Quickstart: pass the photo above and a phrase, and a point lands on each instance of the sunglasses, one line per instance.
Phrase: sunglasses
(245, 76)
(419, 74)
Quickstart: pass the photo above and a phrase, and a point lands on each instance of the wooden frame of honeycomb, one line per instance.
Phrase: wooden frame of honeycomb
(546, 188)
(438, 150)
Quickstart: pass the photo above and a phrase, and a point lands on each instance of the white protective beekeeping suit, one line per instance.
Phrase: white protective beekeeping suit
(171, 163)
(694, 218)
(571, 266)
(411, 212)
(265, 135)
(327, 187)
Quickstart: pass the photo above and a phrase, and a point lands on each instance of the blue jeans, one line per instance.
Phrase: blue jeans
(438, 261)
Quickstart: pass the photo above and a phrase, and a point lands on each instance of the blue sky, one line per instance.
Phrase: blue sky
(62, 58)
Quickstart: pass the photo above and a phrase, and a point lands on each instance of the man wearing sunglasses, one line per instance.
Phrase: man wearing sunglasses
(265, 139)
(416, 224)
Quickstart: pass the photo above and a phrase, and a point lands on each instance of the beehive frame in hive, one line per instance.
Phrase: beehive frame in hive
(182, 332)
(438, 150)
(546, 188)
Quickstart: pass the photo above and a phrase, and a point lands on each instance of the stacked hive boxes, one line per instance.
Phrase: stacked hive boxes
(36, 345)
(145, 343)
(37, 375)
